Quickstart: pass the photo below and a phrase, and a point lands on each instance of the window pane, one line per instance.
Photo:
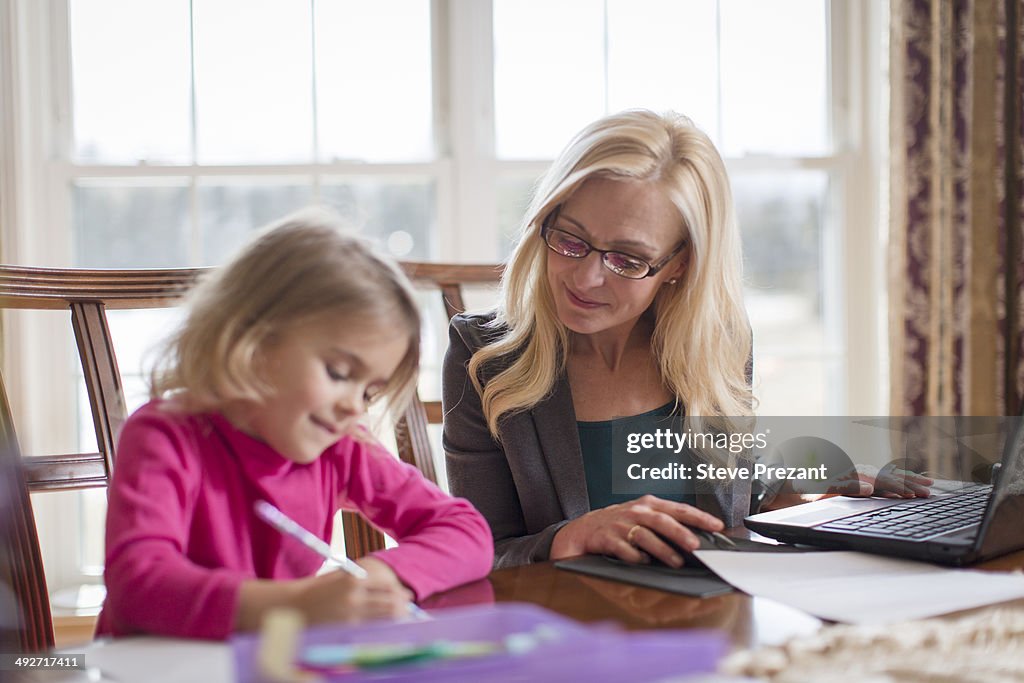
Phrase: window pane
(782, 218)
(138, 335)
(548, 74)
(92, 523)
(373, 72)
(789, 385)
(400, 216)
(662, 54)
(231, 210)
(774, 77)
(254, 82)
(433, 340)
(131, 86)
(130, 224)
(514, 195)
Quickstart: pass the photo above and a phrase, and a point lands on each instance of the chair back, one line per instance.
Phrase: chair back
(86, 295)
(412, 436)
(22, 580)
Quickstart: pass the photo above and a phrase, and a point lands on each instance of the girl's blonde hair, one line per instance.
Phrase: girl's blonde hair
(295, 271)
(701, 338)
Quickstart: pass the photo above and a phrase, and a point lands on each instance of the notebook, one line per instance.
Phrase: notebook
(692, 579)
(530, 644)
(962, 523)
(695, 582)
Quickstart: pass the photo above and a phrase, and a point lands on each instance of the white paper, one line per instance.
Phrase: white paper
(160, 660)
(859, 588)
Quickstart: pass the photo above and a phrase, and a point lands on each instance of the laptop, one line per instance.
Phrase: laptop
(966, 523)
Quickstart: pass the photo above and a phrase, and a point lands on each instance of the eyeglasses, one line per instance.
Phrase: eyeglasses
(624, 265)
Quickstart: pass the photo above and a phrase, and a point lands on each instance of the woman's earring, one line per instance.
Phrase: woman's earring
(673, 281)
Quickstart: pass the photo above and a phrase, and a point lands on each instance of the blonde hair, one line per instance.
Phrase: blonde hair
(296, 271)
(701, 338)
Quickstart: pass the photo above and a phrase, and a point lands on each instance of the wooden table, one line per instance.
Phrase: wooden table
(749, 621)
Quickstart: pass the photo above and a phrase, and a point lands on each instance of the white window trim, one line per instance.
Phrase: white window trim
(468, 130)
(859, 110)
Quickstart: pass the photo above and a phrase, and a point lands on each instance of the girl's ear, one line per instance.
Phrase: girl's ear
(269, 340)
(260, 356)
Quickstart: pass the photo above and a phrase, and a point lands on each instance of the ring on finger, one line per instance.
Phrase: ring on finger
(631, 534)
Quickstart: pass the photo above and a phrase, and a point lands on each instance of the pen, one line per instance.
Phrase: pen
(717, 538)
(720, 538)
(286, 525)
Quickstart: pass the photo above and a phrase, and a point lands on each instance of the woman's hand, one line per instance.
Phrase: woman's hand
(635, 531)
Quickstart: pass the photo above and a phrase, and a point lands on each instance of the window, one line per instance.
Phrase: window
(426, 123)
(756, 77)
(217, 125)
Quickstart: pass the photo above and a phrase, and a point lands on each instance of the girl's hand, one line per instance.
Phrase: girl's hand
(888, 482)
(339, 596)
(860, 482)
(635, 531)
(334, 596)
(383, 573)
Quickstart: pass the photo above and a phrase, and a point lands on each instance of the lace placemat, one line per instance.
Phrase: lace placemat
(982, 647)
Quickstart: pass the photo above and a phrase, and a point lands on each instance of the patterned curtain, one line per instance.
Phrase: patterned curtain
(956, 260)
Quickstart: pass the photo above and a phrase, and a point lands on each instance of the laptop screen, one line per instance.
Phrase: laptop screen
(1001, 529)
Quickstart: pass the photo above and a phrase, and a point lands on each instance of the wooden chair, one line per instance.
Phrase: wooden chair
(21, 564)
(411, 434)
(88, 295)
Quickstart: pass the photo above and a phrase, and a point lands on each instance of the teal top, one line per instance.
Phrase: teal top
(596, 441)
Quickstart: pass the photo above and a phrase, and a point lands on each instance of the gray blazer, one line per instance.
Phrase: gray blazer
(532, 483)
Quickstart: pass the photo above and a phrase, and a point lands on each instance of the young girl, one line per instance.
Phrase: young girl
(259, 397)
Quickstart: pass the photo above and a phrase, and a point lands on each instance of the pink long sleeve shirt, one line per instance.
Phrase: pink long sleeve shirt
(182, 535)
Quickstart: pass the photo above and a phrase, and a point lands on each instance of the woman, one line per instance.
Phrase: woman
(622, 298)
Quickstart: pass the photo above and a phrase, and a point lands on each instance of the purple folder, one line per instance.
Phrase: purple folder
(593, 653)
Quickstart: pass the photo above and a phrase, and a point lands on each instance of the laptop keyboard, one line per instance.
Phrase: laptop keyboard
(920, 518)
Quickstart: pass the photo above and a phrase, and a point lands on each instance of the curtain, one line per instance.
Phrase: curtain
(957, 188)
